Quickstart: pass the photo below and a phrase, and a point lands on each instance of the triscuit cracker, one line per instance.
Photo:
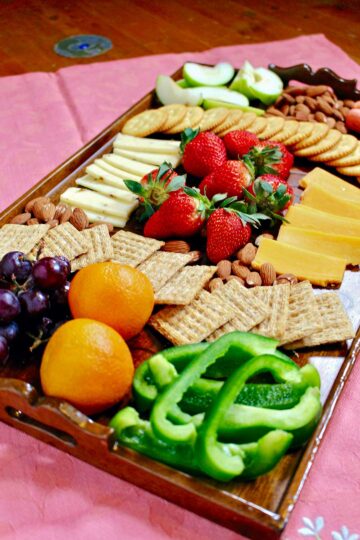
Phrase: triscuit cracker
(100, 248)
(132, 249)
(304, 315)
(191, 119)
(342, 148)
(351, 159)
(258, 126)
(145, 123)
(354, 170)
(288, 130)
(318, 132)
(20, 237)
(277, 298)
(305, 129)
(274, 124)
(231, 120)
(248, 309)
(328, 141)
(181, 289)
(162, 266)
(212, 118)
(194, 322)
(64, 240)
(336, 324)
(175, 113)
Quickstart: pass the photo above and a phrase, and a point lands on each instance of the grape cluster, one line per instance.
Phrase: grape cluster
(33, 298)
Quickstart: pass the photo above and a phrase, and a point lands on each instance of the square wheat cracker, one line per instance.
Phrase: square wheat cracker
(20, 237)
(249, 310)
(277, 298)
(336, 323)
(100, 248)
(194, 322)
(133, 249)
(64, 240)
(162, 266)
(185, 285)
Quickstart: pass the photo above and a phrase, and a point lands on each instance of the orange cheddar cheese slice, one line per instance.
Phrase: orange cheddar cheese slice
(332, 183)
(335, 245)
(307, 217)
(321, 199)
(318, 268)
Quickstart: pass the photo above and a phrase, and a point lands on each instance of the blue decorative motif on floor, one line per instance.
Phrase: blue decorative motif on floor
(83, 46)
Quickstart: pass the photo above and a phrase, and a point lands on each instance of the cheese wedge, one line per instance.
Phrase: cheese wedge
(90, 200)
(140, 144)
(304, 264)
(331, 183)
(106, 166)
(317, 197)
(100, 174)
(94, 217)
(306, 217)
(128, 165)
(146, 157)
(344, 247)
(119, 194)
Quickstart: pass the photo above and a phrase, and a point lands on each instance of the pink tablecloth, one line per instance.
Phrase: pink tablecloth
(45, 494)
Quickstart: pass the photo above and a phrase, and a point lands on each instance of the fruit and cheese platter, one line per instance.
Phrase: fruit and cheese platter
(179, 300)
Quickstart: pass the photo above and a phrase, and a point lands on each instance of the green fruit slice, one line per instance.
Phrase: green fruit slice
(223, 94)
(168, 92)
(198, 75)
(259, 83)
(212, 104)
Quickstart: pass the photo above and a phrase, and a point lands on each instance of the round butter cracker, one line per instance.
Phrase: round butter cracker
(349, 171)
(327, 142)
(175, 113)
(318, 132)
(258, 126)
(289, 129)
(342, 148)
(351, 159)
(212, 118)
(231, 120)
(304, 130)
(145, 123)
(274, 124)
(191, 119)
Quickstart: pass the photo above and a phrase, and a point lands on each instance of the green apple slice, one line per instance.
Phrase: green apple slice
(243, 80)
(223, 94)
(198, 75)
(212, 104)
(182, 83)
(168, 92)
(267, 86)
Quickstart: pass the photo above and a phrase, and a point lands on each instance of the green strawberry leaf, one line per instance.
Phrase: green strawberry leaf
(187, 136)
(249, 195)
(135, 187)
(267, 188)
(281, 190)
(163, 169)
(219, 197)
(176, 183)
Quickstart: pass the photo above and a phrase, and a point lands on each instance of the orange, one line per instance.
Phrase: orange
(115, 294)
(88, 364)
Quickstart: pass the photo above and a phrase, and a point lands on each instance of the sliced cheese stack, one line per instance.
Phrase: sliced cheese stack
(322, 234)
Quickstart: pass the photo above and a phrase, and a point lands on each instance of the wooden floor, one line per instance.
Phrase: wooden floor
(30, 28)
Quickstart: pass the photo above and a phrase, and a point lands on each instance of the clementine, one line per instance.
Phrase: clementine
(88, 364)
(113, 293)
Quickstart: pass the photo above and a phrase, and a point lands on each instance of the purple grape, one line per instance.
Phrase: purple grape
(4, 350)
(10, 332)
(49, 273)
(65, 263)
(14, 265)
(60, 296)
(9, 306)
(34, 302)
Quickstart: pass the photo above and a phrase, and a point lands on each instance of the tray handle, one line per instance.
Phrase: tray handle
(50, 420)
(344, 88)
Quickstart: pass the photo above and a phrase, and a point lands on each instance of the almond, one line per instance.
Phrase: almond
(314, 91)
(325, 107)
(21, 219)
(264, 235)
(344, 110)
(224, 269)
(320, 116)
(338, 115)
(287, 97)
(289, 277)
(275, 112)
(310, 102)
(300, 107)
(267, 274)
(301, 116)
(281, 281)
(285, 109)
(79, 219)
(45, 213)
(246, 255)
(62, 212)
(341, 127)
(176, 246)
(32, 221)
(253, 279)
(331, 122)
(295, 90)
(195, 256)
(300, 99)
(41, 200)
(110, 226)
(349, 103)
(240, 270)
(239, 279)
(53, 223)
(214, 284)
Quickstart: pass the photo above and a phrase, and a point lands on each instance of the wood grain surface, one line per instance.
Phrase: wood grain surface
(29, 29)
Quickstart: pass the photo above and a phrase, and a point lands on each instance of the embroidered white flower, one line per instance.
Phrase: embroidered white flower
(344, 534)
(313, 529)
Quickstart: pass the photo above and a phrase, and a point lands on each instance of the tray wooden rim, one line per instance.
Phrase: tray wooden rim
(22, 396)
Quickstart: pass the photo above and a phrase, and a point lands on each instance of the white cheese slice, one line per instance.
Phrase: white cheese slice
(114, 220)
(115, 170)
(90, 200)
(146, 157)
(140, 144)
(100, 174)
(128, 165)
(96, 185)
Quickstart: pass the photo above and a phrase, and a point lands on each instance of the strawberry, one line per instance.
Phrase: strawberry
(270, 194)
(231, 178)
(239, 142)
(180, 216)
(154, 188)
(202, 152)
(271, 157)
(205, 185)
(226, 233)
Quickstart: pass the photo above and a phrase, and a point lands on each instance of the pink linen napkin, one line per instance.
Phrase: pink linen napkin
(46, 494)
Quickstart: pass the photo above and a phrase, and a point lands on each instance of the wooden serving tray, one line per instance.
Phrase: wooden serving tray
(259, 509)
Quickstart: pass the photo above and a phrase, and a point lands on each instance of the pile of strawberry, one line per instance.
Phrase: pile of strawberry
(242, 181)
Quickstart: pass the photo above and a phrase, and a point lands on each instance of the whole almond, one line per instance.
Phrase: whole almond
(247, 254)
(310, 102)
(195, 256)
(281, 281)
(289, 277)
(338, 115)
(253, 280)
(53, 223)
(275, 112)
(21, 219)
(44, 213)
(349, 103)
(285, 108)
(300, 107)
(320, 116)
(314, 91)
(340, 126)
(292, 110)
(176, 246)
(240, 270)
(329, 99)
(224, 269)
(41, 200)
(325, 107)
(344, 110)
(110, 226)
(79, 219)
(62, 212)
(32, 221)
(264, 235)
(300, 99)
(294, 90)
(267, 274)
(215, 283)
(237, 278)
(330, 122)
(301, 116)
